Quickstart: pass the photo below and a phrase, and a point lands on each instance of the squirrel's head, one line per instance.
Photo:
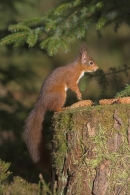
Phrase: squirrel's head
(87, 63)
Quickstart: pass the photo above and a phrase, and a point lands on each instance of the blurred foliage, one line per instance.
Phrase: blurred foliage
(4, 173)
(19, 185)
(112, 76)
(124, 93)
(54, 26)
(67, 21)
(18, 87)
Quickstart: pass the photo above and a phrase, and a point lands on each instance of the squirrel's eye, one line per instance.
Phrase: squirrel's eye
(91, 62)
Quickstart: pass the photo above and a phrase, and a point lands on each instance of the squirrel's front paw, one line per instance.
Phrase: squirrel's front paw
(79, 96)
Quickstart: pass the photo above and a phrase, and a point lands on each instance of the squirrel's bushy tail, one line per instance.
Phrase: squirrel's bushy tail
(33, 132)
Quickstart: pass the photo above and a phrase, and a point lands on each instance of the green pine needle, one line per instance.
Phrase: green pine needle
(13, 38)
(32, 39)
(101, 23)
(18, 27)
(77, 3)
(32, 22)
(67, 21)
(61, 8)
(124, 93)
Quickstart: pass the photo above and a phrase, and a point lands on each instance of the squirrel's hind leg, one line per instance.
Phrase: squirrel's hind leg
(57, 102)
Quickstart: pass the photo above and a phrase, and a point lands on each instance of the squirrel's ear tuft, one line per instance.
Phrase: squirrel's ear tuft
(84, 57)
(83, 53)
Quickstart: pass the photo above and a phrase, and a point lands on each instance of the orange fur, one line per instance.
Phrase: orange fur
(52, 97)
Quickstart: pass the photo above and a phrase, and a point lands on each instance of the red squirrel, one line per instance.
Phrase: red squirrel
(52, 97)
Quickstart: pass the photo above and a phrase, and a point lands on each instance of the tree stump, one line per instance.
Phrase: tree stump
(91, 151)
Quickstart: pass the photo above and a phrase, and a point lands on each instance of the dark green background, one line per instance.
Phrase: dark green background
(22, 71)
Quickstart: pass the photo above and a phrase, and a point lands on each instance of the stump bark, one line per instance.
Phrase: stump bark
(91, 151)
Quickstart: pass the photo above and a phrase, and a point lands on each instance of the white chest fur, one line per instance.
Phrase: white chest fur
(81, 75)
(66, 88)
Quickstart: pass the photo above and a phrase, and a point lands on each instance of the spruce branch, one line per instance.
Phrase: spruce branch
(124, 93)
(101, 23)
(33, 22)
(13, 38)
(103, 82)
(67, 21)
(116, 71)
(18, 27)
(111, 76)
(32, 39)
(61, 8)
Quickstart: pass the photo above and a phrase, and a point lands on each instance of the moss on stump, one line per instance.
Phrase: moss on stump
(91, 150)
